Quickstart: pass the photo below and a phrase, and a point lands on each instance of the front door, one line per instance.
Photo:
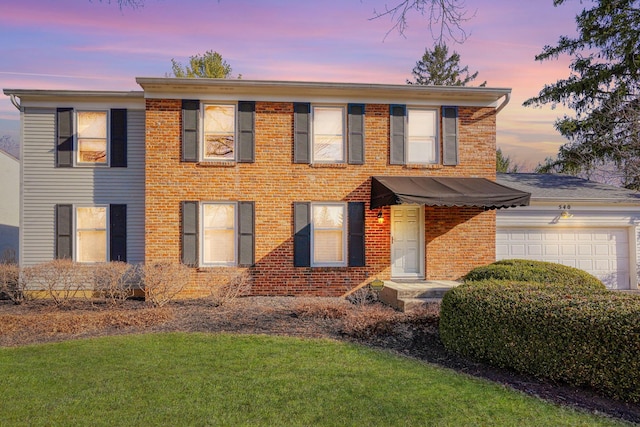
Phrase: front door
(407, 242)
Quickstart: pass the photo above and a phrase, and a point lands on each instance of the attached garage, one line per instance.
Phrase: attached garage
(574, 222)
(603, 252)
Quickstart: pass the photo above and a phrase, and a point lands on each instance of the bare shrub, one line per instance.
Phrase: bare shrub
(370, 321)
(61, 280)
(164, 280)
(8, 256)
(322, 308)
(363, 296)
(226, 284)
(11, 286)
(115, 281)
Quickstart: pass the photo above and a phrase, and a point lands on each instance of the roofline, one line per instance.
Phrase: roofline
(45, 93)
(11, 156)
(369, 90)
(593, 201)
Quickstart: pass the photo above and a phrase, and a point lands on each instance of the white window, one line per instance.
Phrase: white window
(422, 136)
(92, 134)
(91, 234)
(219, 233)
(328, 134)
(219, 132)
(328, 234)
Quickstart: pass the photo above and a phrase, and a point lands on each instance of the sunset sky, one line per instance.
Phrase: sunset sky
(93, 45)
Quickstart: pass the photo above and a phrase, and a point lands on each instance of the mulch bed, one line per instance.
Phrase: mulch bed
(411, 335)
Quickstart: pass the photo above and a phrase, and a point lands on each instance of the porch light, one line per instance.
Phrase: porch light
(380, 217)
(566, 215)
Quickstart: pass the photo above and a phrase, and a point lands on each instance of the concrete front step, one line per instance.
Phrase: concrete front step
(407, 296)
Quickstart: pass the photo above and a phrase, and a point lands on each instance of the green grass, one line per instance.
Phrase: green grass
(200, 379)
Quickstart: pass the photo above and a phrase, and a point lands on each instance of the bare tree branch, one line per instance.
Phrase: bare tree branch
(445, 18)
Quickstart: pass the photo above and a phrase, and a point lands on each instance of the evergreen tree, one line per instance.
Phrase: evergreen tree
(604, 91)
(438, 68)
(504, 163)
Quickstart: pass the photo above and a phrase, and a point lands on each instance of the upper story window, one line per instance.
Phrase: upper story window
(422, 136)
(92, 132)
(328, 134)
(219, 132)
(91, 234)
(91, 138)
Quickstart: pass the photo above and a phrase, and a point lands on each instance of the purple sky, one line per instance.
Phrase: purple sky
(83, 44)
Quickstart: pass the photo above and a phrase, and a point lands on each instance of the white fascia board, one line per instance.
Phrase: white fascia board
(581, 217)
(70, 98)
(259, 90)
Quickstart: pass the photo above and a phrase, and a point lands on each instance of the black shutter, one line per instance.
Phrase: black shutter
(190, 112)
(118, 138)
(246, 232)
(356, 134)
(64, 137)
(302, 234)
(118, 233)
(301, 133)
(450, 135)
(190, 233)
(397, 134)
(356, 234)
(64, 231)
(246, 131)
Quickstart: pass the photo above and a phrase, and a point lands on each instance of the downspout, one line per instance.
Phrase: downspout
(15, 102)
(504, 103)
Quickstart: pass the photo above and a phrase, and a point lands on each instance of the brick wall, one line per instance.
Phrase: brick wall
(456, 239)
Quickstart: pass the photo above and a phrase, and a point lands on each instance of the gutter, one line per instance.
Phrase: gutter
(507, 98)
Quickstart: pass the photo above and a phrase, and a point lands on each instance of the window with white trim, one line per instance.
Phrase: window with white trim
(328, 141)
(219, 233)
(219, 132)
(91, 234)
(328, 234)
(92, 136)
(422, 136)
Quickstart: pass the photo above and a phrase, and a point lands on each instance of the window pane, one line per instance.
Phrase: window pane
(219, 215)
(92, 246)
(328, 138)
(91, 217)
(421, 151)
(92, 124)
(327, 216)
(219, 131)
(422, 123)
(92, 136)
(327, 246)
(219, 241)
(219, 246)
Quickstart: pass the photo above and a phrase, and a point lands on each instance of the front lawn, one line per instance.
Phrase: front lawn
(203, 379)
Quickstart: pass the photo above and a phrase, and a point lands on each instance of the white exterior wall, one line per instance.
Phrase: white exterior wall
(44, 185)
(9, 204)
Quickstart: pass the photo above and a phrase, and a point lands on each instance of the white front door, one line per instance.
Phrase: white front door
(407, 242)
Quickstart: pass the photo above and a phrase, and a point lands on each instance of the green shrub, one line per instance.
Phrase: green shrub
(581, 337)
(522, 270)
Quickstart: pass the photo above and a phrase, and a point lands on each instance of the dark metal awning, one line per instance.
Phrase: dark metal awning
(446, 191)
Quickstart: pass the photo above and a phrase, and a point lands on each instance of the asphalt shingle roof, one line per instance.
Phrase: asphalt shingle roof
(552, 187)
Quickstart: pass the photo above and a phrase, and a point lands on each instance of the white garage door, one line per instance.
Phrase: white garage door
(603, 252)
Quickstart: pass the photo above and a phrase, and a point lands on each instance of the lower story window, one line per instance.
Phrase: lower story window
(328, 235)
(219, 233)
(91, 234)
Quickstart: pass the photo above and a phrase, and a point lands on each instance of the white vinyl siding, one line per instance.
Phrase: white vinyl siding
(44, 186)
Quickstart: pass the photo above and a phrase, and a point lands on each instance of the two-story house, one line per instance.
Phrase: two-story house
(312, 188)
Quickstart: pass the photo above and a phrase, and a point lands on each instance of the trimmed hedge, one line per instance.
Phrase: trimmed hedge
(581, 337)
(522, 270)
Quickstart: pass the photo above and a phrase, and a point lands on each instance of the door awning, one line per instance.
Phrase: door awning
(444, 191)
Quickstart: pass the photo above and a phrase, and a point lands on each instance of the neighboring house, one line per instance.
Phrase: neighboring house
(309, 188)
(574, 222)
(9, 206)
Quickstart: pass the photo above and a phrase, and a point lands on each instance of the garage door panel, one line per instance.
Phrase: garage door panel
(602, 252)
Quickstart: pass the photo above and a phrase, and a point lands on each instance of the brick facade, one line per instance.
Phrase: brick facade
(457, 239)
